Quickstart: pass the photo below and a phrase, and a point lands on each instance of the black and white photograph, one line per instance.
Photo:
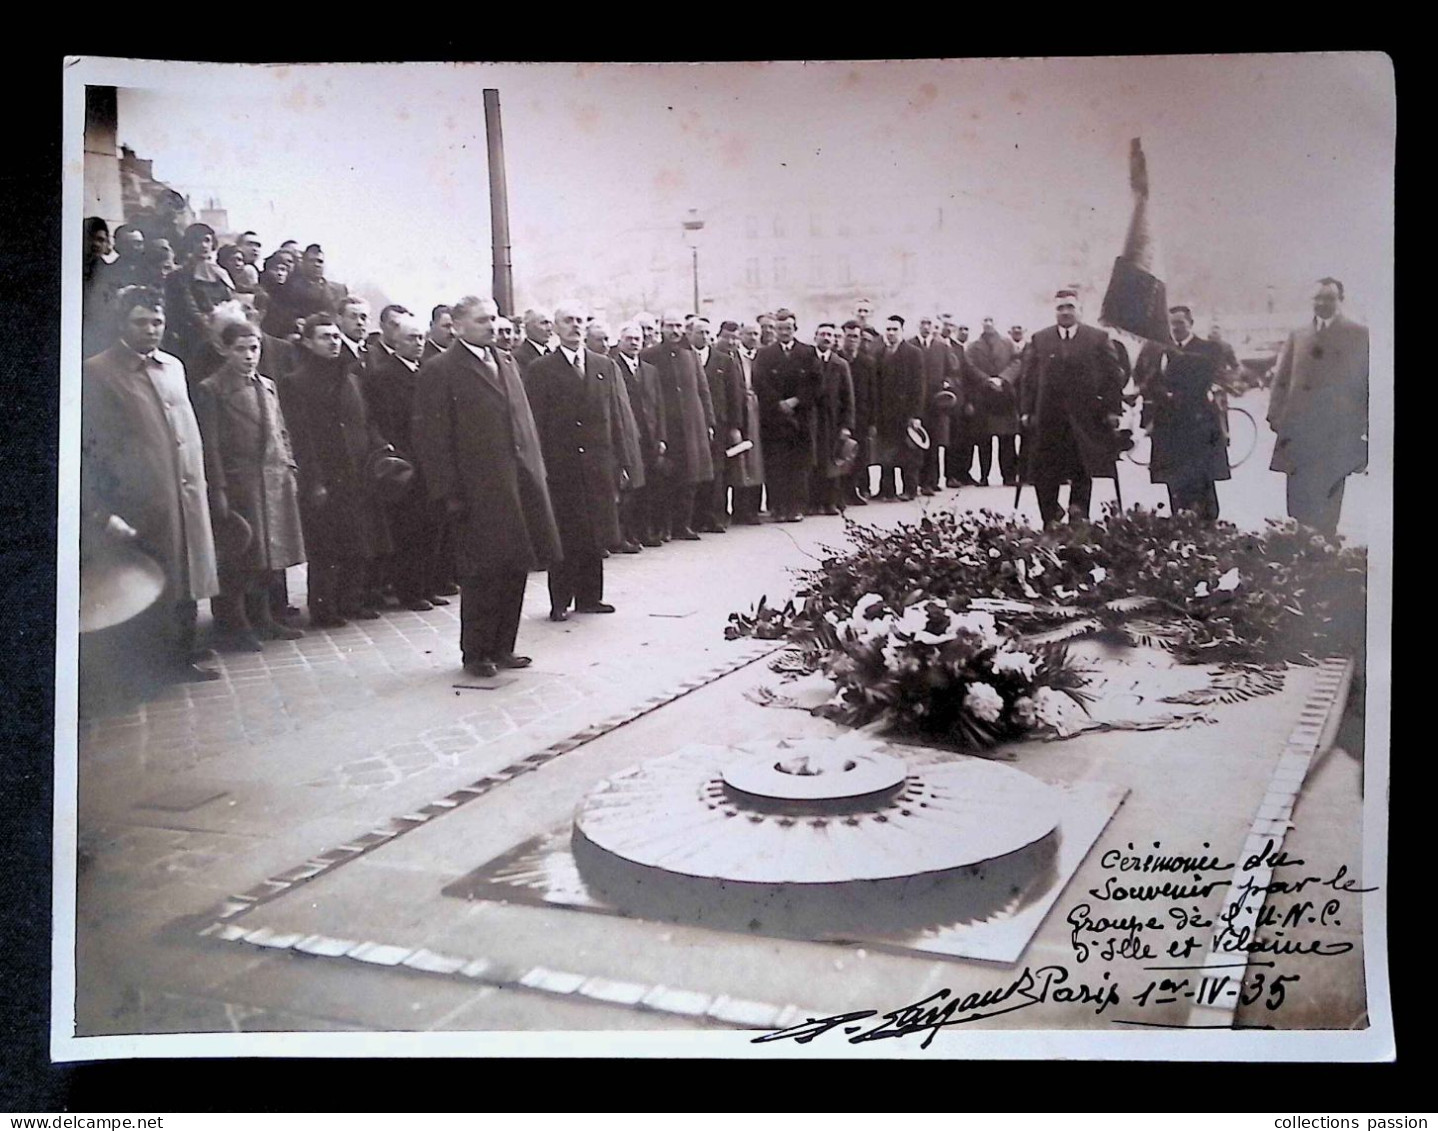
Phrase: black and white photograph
(750, 560)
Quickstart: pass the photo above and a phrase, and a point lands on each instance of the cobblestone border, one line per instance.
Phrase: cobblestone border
(1309, 739)
(325, 862)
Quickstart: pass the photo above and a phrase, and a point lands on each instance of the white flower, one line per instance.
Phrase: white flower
(891, 651)
(1057, 711)
(993, 553)
(915, 619)
(865, 603)
(1037, 569)
(1229, 581)
(983, 701)
(1098, 573)
(1014, 663)
(1024, 711)
(1201, 589)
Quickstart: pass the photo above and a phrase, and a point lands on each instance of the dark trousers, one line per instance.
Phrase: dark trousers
(1197, 495)
(489, 608)
(243, 603)
(1315, 501)
(577, 579)
(889, 479)
(279, 593)
(960, 462)
(929, 469)
(415, 566)
(634, 514)
(1080, 494)
(747, 501)
(711, 503)
(830, 492)
(337, 584)
(673, 515)
(1008, 457)
(788, 484)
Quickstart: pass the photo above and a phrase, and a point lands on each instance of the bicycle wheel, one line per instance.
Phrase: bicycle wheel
(1242, 436)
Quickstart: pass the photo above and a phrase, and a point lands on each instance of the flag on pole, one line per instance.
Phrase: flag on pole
(1136, 300)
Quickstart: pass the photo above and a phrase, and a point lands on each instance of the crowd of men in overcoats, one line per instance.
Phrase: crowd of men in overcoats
(415, 461)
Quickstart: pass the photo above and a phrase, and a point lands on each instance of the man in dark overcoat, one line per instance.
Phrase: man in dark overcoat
(725, 379)
(538, 329)
(1319, 409)
(688, 425)
(1178, 381)
(573, 393)
(746, 470)
(863, 375)
(479, 450)
(833, 422)
(415, 569)
(641, 381)
(333, 437)
(996, 404)
(786, 377)
(941, 372)
(1070, 396)
(899, 379)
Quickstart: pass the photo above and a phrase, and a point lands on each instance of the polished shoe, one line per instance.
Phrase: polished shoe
(242, 640)
(906, 497)
(830, 509)
(1011, 482)
(928, 491)
(597, 607)
(448, 590)
(654, 543)
(513, 661)
(791, 518)
(438, 600)
(485, 669)
(363, 613)
(277, 631)
(686, 536)
(557, 615)
(627, 548)
(325, 620)
(951, 482)
(967, 481)
(418, 605)
(858, 500)
(712, 530)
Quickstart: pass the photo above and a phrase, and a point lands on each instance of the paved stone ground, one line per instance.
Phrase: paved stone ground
(207, 789)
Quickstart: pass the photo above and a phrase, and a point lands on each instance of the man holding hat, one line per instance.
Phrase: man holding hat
(899, 382)
(1070, 388)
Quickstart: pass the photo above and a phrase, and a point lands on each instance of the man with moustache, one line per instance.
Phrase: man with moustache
(641, 381)
(728, 338)
(353, 320)
(1070, 390)
(996, 417)
(479, 450)
(834, 422)
(334, 436)
(441, 332)
(863, 375)
(1319, 409)
(505, 336)
(574, 395)
(726, 394)
(538, 329)
(899, 378)
(786, 377)
(688, 427)
(746, 470)
(941, 374)
(596, 337)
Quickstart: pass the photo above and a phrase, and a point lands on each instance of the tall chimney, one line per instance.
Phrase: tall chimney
(498, 206)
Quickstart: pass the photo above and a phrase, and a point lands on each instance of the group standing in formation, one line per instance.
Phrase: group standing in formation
(241, 416)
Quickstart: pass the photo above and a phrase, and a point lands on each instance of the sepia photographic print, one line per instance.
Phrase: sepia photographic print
(865, 559)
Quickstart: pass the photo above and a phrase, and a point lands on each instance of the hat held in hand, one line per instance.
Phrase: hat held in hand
(390, 474)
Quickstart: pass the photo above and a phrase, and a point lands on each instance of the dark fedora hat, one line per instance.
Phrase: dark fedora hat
(846, 451)
(233, 535)
(390, 474)
(945, 398)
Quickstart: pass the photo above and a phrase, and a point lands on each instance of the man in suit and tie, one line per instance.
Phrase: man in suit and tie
(688, 427)
(1179, 383)
(538, 329)
(899, 378)
(1070, 389)
(1319, 409)
(833, 422)
(441, 332)
(479, 449)
(574, 394)
(353, 319)
(941, 373)
(786, 375)
(641, 379)
(726, 394)
(863, 374)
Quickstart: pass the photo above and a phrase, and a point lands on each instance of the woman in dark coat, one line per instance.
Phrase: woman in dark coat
(254, 493)
(191, 292)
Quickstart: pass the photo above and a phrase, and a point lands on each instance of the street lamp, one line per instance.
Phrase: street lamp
(692, 223)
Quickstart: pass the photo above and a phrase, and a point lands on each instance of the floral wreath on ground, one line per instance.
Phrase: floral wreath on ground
(956, 627)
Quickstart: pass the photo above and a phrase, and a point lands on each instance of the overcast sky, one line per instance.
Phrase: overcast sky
(1265, 169)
